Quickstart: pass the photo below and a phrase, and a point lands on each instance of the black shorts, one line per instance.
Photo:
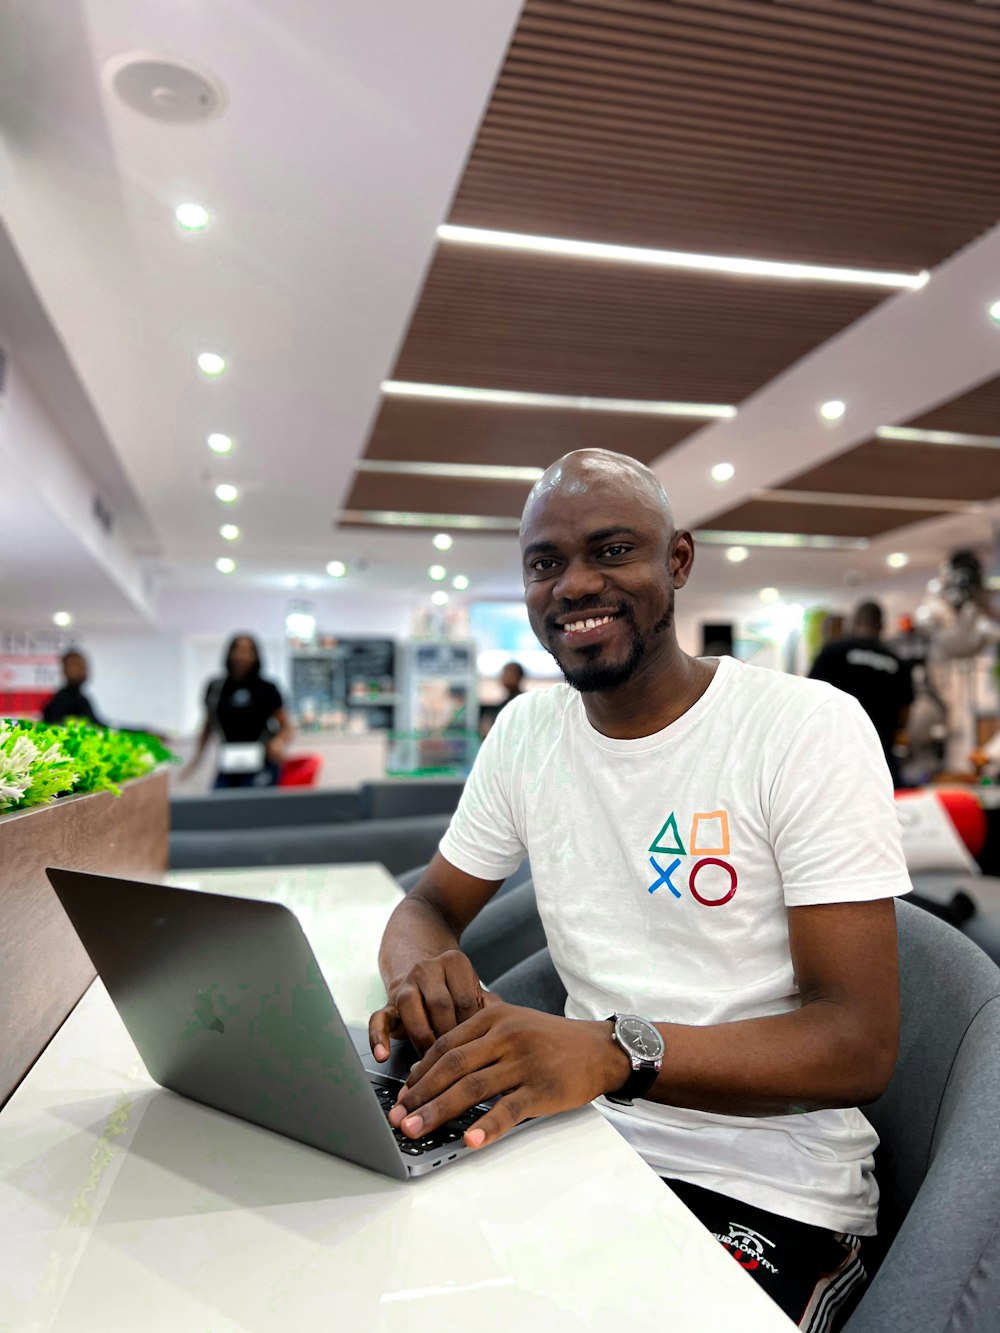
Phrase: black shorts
(816, 1276)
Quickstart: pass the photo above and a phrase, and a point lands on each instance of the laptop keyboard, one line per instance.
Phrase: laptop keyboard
(450, 1132)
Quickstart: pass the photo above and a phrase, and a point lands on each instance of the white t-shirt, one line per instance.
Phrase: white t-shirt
(663, 867)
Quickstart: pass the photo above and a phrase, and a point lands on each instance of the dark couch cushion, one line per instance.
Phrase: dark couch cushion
(270, 807)
(396, 843)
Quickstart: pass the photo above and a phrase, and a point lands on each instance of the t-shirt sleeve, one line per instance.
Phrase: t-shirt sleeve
(833, 822)
(483, 838)
(272, 699)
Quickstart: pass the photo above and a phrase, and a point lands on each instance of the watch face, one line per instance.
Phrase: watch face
(641, 1038)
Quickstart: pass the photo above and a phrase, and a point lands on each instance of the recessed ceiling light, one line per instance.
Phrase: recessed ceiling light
(402, 518)
(192, 217)
(833, 410)
(229, 531)
(516, 398)
(442, 541)
(723, 472)
(336, 569)
(460, 581)
(897, 560)
(737, 554)
(220, 444)
(769, 595)
(63, 619)
(819, 541)
(211, 363)
(630, 254)
(225, 564)
(994, 310)
(911, 435)
(461, 471)
(437, 573)
(227, 493)
(439, 597)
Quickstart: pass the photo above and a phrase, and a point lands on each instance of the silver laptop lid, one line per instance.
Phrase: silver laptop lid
(227, 1005)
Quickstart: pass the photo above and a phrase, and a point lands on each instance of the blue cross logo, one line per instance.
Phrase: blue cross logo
(665, 875)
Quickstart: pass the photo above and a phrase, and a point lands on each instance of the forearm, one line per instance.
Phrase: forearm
(415, 932)
(815, 1057)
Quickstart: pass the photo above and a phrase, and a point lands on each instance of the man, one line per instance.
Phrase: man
(714, 849)
(512, 682)
(70, 701)
(866, 667)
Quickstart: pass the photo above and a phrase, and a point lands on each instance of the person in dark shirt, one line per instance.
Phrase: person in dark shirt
(247, 714)
(512, 680)
(866, 667)
(71, 701)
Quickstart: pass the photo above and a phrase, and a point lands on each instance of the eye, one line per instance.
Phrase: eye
(616, 550)
(542, 564)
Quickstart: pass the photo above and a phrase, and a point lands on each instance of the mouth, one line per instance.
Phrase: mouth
(587, 629)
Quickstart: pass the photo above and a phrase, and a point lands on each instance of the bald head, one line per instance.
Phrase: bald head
(586, 472)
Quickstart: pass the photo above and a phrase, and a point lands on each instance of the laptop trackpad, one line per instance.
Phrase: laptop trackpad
(402, 1057)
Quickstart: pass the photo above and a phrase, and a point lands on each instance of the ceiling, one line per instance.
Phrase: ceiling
(821, 132)
(862, 135)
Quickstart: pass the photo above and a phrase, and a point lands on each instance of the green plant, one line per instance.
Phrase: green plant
(39, 762)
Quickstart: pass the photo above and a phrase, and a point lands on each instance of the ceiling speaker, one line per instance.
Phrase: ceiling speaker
(165, 90)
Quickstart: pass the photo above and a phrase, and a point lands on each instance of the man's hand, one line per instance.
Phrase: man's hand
(434, 997)
(539, 1063)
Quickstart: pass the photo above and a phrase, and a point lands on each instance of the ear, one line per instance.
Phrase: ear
(681, 559)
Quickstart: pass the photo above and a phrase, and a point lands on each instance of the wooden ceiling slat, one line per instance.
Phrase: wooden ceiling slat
(776, 163)
(737, 42)
(437, 495)
(920, 471)
(768, 131)
(815, 519)
(825, 35)
(776, 170)
(874, 21)
(426, 430)
(533, 191)
(667, 58)
(680, 225)
(741, 88)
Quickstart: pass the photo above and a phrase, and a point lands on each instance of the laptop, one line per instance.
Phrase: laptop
(227, 1005)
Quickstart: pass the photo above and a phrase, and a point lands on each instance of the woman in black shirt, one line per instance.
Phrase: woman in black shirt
(247, 714)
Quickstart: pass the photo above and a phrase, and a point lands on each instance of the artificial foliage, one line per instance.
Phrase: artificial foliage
(39, 761)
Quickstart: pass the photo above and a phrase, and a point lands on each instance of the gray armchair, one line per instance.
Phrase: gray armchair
(937, 1255)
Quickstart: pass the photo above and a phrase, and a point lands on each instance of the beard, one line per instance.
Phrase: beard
(593, 674)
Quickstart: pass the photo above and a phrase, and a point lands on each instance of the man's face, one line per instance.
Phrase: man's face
(599, 579)
(75, 669)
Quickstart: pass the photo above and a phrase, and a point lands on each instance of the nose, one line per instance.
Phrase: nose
(578, 579)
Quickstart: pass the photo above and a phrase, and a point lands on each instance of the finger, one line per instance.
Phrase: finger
(380, 1030)
(473, 1029)
(464, 986)
(462, 1077)
(509, 1111)
(454, 1101)
(413, 1016)
(440, 1007)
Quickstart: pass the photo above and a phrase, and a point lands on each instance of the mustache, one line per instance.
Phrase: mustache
(584, 607)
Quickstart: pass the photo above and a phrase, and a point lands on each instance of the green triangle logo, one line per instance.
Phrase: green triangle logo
(669, 830)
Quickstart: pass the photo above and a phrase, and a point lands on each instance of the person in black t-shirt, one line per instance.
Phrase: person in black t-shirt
(247, 715)
(866, 667)
(71, 701)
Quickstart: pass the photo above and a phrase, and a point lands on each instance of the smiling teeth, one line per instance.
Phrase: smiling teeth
(578, 626)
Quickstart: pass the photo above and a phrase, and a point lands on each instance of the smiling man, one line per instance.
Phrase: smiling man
(715, 851)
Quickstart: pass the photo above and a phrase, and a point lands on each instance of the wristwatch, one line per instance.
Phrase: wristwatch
(644, 1047)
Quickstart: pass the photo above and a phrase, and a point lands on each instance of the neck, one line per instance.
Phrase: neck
(659, 693)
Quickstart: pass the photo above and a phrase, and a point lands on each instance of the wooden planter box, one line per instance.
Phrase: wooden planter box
(43, 966)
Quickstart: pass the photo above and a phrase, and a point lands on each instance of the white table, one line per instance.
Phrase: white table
(127, 1209)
